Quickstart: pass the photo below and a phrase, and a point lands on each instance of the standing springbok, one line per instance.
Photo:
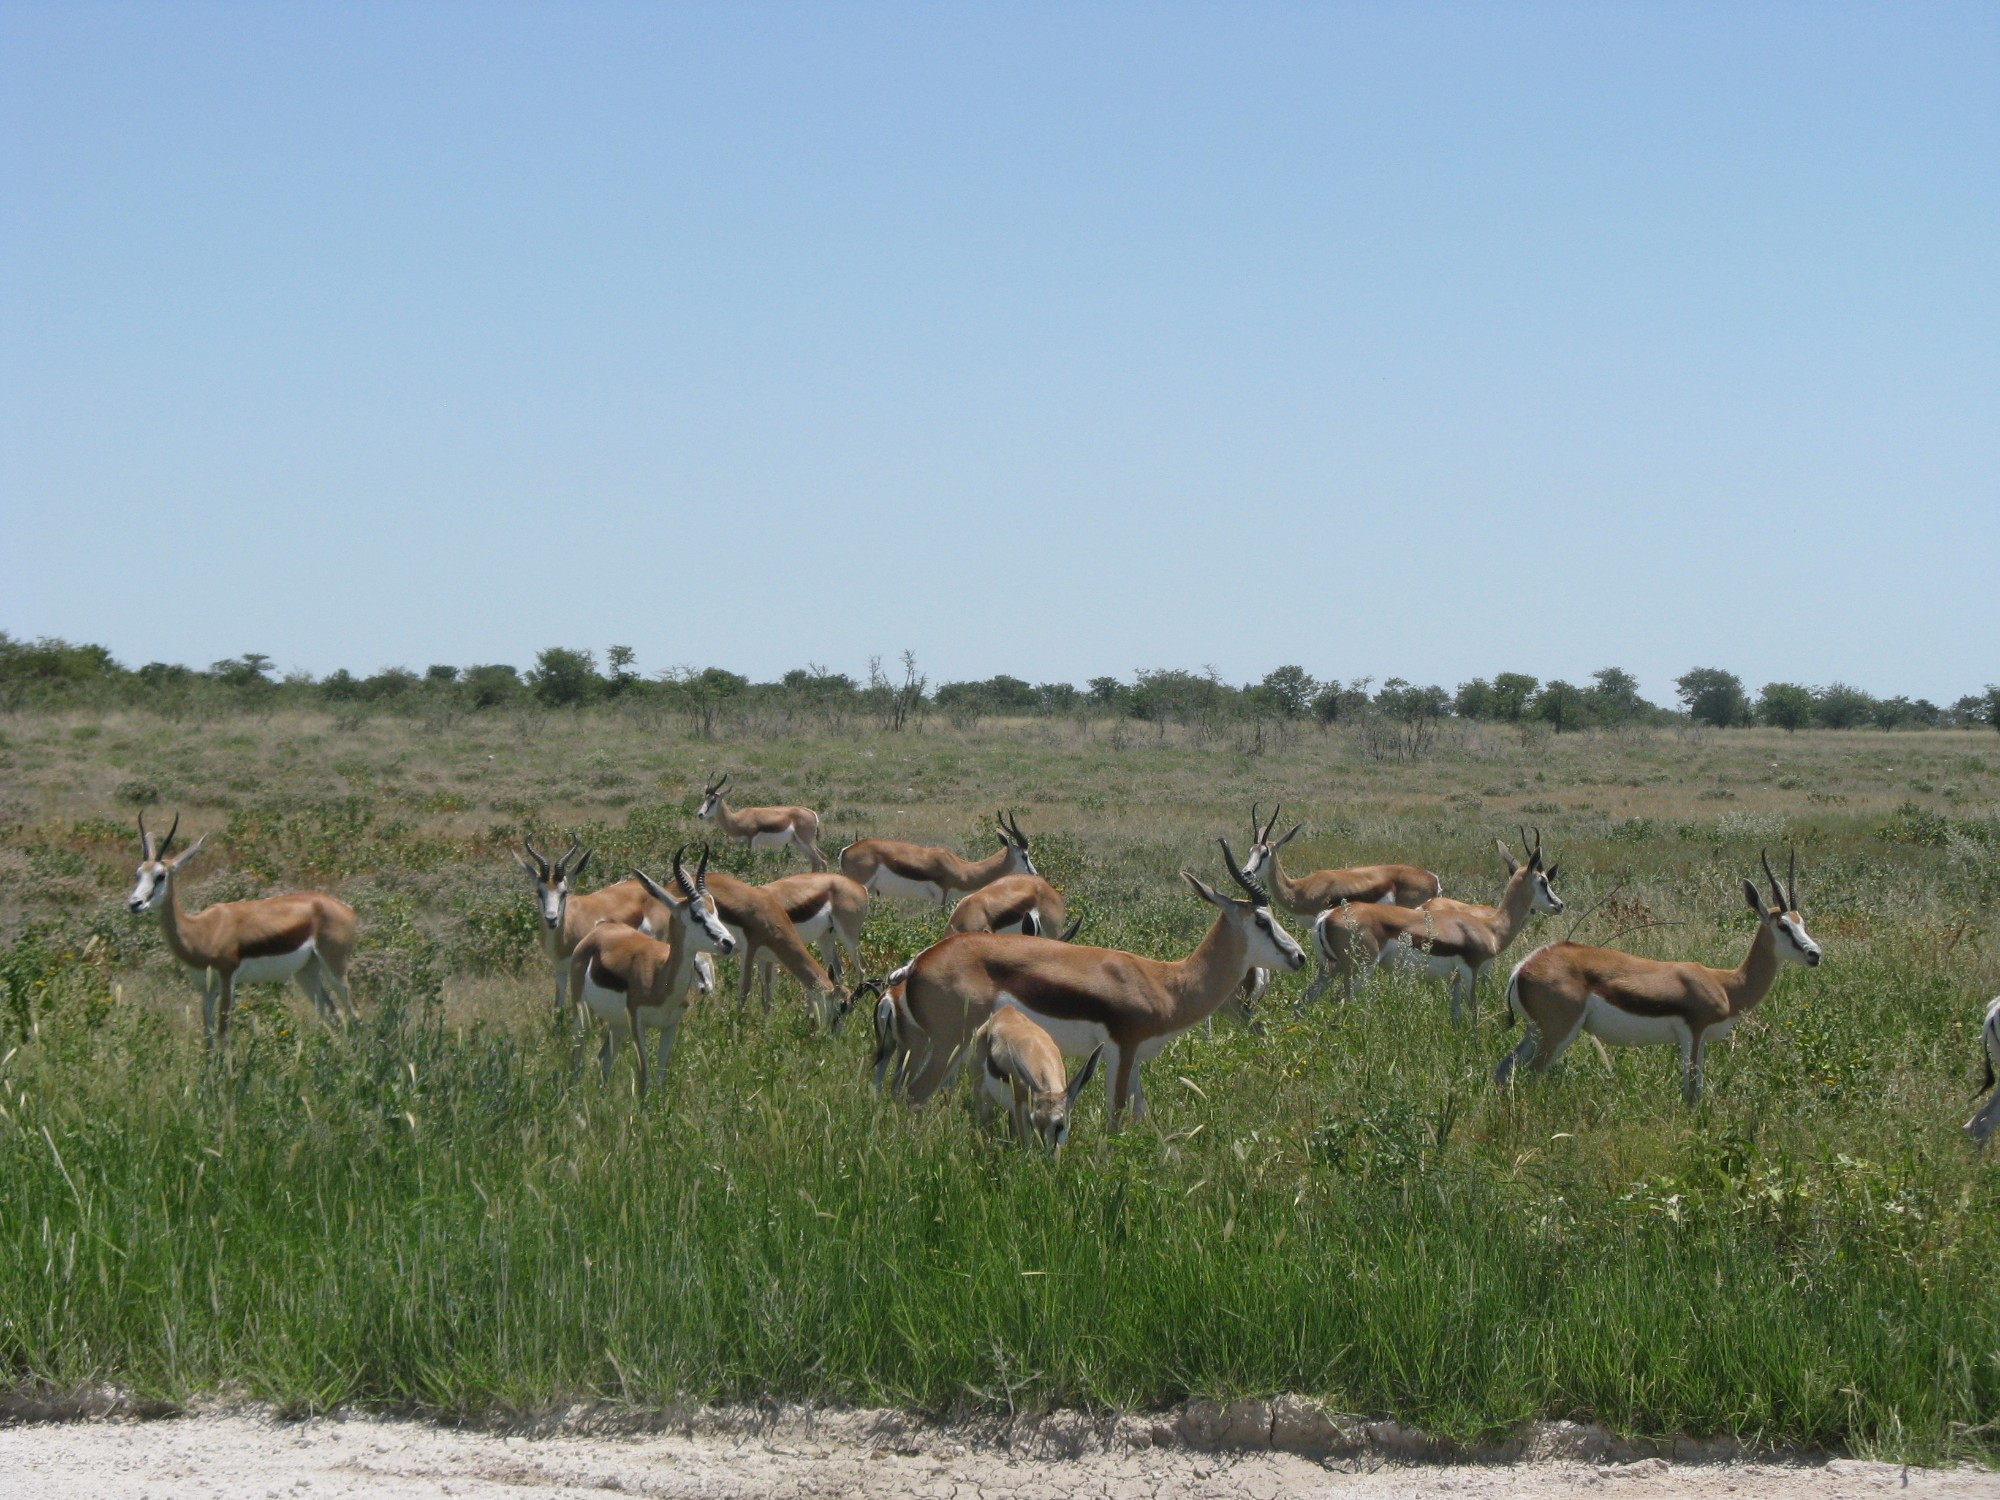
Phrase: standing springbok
(1309, 895)
(1020, 1069)
(307, 937)
(1454, 942)
(826, 910)
(1564, 990)
(565, 916)
(631, 981)
(921, 872)
(764, 827)
(1085, 997)
(1986, 1119)
(1026, 904)
(764, 934)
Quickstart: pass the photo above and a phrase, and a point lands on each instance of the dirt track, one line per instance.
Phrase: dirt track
(242, 1456)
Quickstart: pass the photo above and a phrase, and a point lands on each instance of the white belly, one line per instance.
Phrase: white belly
(1076, 1038)
(1438, 966)
(275, 968)
(607, 1005)
(811, 929)
(1620, 1028)
(886, 882)
(776, 840)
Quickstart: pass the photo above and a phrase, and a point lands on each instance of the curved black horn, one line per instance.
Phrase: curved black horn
(1256, 823)
(681, 875)
(535, 854)
(1256, 891)
(1777, 891)
(562, 865)
(701, 872)
(1792, 881)
(168, 842)
(1069, 933)
(1272, 824)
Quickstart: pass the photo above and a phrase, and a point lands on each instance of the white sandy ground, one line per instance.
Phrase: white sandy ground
(249, 1456)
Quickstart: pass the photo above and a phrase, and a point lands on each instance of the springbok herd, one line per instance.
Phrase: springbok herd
(1008, 989)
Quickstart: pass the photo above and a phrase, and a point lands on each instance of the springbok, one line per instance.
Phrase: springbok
(566, 916)
(825, 909)
(1986, 1119)
(1020, 1069)
(764, 827)
(1564, 990)
(631, 981)
(764, 934)
(1085, 997)
(1454, 942)
(1026, 904)
(921, 872)
(1309, 895)
(307, 937)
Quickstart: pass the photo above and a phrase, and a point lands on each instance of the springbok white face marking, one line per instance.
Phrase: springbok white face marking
(1795, 945)
(552, 880)
(1271, 947)
(151, 885)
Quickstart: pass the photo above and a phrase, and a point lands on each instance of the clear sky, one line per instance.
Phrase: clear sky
(1428, 339)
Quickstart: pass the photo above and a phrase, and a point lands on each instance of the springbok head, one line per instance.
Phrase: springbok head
(692, 920)
(1049, 1113)
(711, 797)
(1541, 883)
(1269, 945)
(552, 880)
(1015, 843)
(1262, 846)
(150, 887)
(1788, 928)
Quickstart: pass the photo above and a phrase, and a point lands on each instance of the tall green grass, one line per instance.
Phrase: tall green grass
(435, 1212)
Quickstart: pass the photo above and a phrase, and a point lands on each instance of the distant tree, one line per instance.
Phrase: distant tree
(251, 670)
(1289, 690)
(620, 659)
(703, 693)
(1474, 699)
(438, 676)
(1614, 698)
(491, 686)
(1785, 705)
(1713, 696)
(1055, 697)
(1840, 705)
(562, 678)
(1560, 703)
(894, 702)
(1105, 692)
(1334, 703)
(1512, 692)
(389, 683)
(1992, 702)
(341, 686)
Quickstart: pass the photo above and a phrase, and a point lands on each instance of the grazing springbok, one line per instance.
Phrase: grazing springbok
(1454, 942)
(1020, 1069)
(1564, 990)
(1025, 904)
(764, 934)
(921, 872)
(1309, 895)
(1986, 1119)
(307, 937)
(1084, 997)
(825, 909)
(565, 916)
(764, 827)
(631, 981)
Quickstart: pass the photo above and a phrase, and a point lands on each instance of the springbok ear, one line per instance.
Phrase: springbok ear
(655, 890)
(1076, 1084)
(1207, 893)
(1512, 863)
(533, 873)
(187, 854)
(1750, 895)
(581, 864)
(1292, 834)
(1551, 872)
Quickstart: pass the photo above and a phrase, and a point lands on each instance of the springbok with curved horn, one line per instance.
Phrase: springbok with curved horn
(1020, 1069)
(566, 916)
(1986, 1119)
(1454, 943)
(1086, 997)
(765, 936)
(307, 937)
(922, 872)
(631, 981)
(1564, 990)
(764, 827)
(1309, 895)
(826, 910)
(1025, 904)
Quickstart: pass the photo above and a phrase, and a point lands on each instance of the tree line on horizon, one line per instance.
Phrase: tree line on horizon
(51, 673)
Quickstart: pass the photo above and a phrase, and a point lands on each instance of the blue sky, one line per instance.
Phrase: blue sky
(1425, 340)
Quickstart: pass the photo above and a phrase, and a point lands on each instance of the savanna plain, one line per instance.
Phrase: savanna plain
(434, 1213)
